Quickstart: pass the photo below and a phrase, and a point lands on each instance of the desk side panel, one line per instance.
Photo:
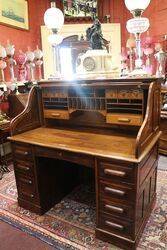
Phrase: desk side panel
(31, 117)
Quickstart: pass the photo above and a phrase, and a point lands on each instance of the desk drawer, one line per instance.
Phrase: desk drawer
(116, 209)
(26, 186)
(114, 192)
(65, 155)
(56, 114)
(22, 151)
(24, 167)
(115, 225)
(124, 119)
(116, 172)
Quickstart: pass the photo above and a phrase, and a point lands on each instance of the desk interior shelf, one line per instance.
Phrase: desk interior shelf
(108, 102)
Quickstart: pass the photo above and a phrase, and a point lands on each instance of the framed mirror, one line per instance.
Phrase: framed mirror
(80, 8)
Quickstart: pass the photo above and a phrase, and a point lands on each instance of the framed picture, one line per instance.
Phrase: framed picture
(80, 8)
(14, 13)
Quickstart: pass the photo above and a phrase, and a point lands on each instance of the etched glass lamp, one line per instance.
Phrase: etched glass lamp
(137, 26)
(54, 20)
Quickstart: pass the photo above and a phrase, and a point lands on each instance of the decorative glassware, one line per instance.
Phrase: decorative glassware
(10, 50)
(136, 26)
(54, 20)
(2, 63)
(38, 62)
(30, 65)
(148, 50)
(21, 60)
(161, 57)
(131, 45)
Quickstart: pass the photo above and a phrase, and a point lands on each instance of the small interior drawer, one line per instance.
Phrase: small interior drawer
(56, 114)
(124, 119)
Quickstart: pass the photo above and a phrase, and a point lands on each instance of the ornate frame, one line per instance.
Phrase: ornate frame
(80, 18)
(8, 16)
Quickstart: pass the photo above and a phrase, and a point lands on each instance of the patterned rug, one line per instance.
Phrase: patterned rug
(70, 224)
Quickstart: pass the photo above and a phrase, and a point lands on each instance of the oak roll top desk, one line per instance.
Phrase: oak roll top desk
(108, 125)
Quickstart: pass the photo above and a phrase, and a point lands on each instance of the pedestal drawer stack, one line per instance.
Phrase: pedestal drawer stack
(116, 198)
(25, 175)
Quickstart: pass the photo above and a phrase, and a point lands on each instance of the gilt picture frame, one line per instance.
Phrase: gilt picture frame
(80, 8)
(14, 13)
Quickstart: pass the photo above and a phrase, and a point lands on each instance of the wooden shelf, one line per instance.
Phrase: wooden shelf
(101, 100)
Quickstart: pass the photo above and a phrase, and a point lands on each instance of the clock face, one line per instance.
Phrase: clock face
(89, 64)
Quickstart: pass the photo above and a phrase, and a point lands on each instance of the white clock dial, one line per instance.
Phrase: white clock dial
(89, 64)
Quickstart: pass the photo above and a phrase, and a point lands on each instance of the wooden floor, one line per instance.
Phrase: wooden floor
(109, 144)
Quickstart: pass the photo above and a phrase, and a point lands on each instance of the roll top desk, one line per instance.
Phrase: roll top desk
(108, 125)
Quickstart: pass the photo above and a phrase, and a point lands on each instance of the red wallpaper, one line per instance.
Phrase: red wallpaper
(22, 38)
(156, 12)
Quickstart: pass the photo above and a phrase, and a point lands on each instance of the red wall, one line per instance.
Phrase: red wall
(22, 38)
(156, 12)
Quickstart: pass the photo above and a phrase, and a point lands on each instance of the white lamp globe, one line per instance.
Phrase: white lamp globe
(54, 18)
(138, 25)
(55, 39)
(137, 4)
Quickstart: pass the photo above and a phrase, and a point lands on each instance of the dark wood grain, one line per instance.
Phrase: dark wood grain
(109, 127)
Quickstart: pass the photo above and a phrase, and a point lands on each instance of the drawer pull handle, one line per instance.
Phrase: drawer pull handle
(55, 115)
(114, 209)
(26, 181)
(23, 167)
(114, 172)
(22, 152)
(29, 195)
(124, 120)
(114, 225)
(60, 154)
(114, 191)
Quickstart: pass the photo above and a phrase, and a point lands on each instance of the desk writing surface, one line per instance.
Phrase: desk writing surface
(108, 145)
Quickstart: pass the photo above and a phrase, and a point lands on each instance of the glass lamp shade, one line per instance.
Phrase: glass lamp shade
(2, 52)
(55, 39)
(138, 25)
(54, 18)
(137, 4)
